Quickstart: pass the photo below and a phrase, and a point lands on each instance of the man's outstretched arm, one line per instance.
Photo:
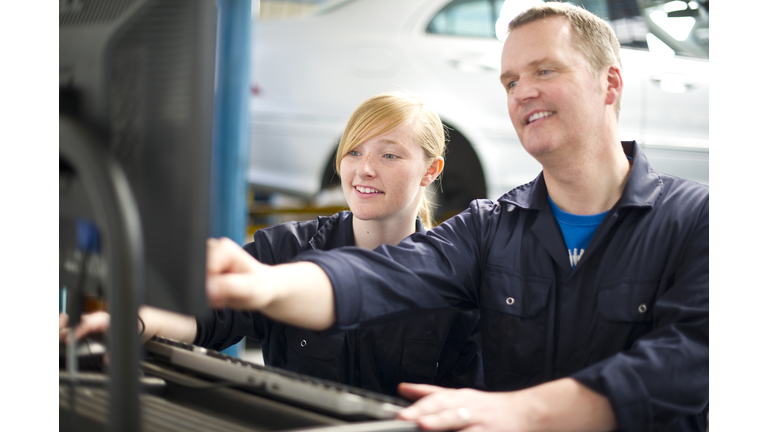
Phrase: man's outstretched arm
(299, 293)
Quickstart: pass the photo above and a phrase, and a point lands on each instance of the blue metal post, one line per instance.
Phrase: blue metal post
(231, 143)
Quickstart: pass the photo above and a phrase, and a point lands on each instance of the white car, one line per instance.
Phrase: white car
(311, 72)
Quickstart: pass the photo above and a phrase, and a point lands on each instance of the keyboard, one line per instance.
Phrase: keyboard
(317, 394)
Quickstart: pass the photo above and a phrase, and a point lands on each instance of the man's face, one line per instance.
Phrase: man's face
(556, 105)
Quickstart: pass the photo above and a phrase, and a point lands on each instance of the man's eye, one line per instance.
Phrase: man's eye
(511, 85)
(545, 72)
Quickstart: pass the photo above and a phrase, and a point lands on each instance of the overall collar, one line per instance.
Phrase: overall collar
(644, 186)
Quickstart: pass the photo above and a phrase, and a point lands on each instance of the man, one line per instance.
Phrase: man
(592, 281)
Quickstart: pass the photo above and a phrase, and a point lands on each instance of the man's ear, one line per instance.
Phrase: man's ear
(433, 170)
(615, 84)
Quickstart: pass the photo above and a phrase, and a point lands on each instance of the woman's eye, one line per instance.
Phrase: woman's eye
(354, 153)
(390, 156)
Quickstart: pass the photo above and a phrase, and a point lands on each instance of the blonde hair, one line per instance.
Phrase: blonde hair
(385, 112)
(592, 36)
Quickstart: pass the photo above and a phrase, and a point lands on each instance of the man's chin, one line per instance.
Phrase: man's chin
(539, 150)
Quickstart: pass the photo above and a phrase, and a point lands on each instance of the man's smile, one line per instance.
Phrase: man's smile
(538, 115)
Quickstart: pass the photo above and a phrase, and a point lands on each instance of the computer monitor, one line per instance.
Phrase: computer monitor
(136, 83)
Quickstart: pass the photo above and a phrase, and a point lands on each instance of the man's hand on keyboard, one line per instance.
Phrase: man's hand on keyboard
(440, 408)
(560, 405)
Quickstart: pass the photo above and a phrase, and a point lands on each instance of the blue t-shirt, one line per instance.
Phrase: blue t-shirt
(577, 230)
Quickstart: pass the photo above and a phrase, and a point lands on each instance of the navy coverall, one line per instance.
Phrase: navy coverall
(630, 321)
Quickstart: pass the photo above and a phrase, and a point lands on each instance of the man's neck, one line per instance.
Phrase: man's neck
(590, 184)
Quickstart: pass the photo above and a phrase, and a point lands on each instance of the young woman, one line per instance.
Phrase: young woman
(390, 152)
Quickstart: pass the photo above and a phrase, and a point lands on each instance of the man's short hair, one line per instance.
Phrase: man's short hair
(592, 36)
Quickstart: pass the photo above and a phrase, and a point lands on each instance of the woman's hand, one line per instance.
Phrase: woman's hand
(90, 323)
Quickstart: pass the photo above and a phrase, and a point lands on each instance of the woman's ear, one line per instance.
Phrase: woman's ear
(433, 170)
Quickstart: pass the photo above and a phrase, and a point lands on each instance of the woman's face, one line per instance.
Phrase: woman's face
(383, 177)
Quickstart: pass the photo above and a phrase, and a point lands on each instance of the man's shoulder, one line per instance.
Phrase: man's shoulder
(482, 214)
(680, 182)
(520, 194)
(682, 202)
(677, 189)
(492, 208)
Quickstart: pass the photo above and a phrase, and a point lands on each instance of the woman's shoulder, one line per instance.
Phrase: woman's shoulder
(281, 242)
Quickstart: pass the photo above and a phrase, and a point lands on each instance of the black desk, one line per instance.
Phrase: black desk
(174, 401)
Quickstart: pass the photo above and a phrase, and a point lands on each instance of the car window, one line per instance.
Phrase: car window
(672, 26)
(675, 26)
(474, 18)
(683, 27)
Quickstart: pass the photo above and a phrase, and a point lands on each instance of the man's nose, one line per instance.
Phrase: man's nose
(525, 90)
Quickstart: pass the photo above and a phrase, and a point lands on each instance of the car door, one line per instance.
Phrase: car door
(665, 60)
(675, 130)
